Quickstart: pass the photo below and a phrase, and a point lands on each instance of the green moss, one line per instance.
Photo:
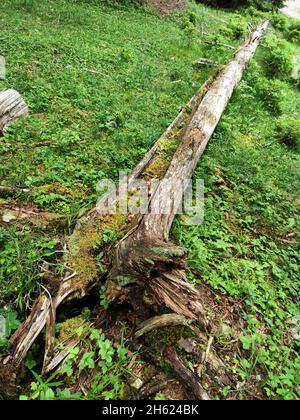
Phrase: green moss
(163, 156)
(85, 242)
(168, 336)
(69, 328)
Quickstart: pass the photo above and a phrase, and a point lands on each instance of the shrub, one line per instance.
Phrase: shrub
(278, 59)
(288, 132)
(280, 22)
(294, 32)
(236, 28)
(272, 93)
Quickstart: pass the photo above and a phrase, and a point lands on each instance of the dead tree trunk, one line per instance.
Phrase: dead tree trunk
(12, 107)
(144, 255)
(72, 284)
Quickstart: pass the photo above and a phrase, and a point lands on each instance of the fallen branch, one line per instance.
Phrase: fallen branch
(185, 375)
(205, 62)
(161, 321)
(12, 107)
(220, 44)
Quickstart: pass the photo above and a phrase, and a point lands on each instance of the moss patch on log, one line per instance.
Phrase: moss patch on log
(86, 241)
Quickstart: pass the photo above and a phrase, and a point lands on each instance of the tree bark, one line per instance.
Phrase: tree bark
(145, 256)
(12, 107)
(44, 309)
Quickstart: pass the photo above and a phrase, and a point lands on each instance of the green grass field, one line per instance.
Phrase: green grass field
(102, 82)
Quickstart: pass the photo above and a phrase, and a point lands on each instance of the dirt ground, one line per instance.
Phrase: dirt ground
(166, 6)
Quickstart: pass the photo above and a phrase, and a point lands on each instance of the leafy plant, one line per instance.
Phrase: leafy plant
(288, 132)
(48, 389)
(104, 361)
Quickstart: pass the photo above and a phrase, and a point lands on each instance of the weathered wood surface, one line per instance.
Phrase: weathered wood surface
(145, 255)
(70, 285)
(12, 107)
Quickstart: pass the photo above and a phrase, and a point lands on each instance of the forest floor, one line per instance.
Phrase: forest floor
(103, 82)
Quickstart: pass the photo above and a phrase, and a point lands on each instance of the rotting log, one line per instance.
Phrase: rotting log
(12, 107)
(159, 274)
(73, 284)
(145, 256)
(11, 213)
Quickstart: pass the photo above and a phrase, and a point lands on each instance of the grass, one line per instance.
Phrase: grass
(99, 96)
(102, 82)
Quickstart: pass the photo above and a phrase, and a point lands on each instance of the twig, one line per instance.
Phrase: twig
(210, 341)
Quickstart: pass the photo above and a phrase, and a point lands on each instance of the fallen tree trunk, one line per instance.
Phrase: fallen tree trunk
(145, 256)
(75, 283)
(12, 107)
(153, 266)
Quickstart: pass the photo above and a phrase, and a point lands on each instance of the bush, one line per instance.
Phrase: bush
(265, 5)
(236, 28)
(278, 57)
(294, 32)
(272, 93)
(288, 132)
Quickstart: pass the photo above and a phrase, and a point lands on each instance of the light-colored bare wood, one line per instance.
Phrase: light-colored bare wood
(145, 255)
(12, 107)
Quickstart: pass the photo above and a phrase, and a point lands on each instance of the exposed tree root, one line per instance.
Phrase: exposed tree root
(161, 321)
